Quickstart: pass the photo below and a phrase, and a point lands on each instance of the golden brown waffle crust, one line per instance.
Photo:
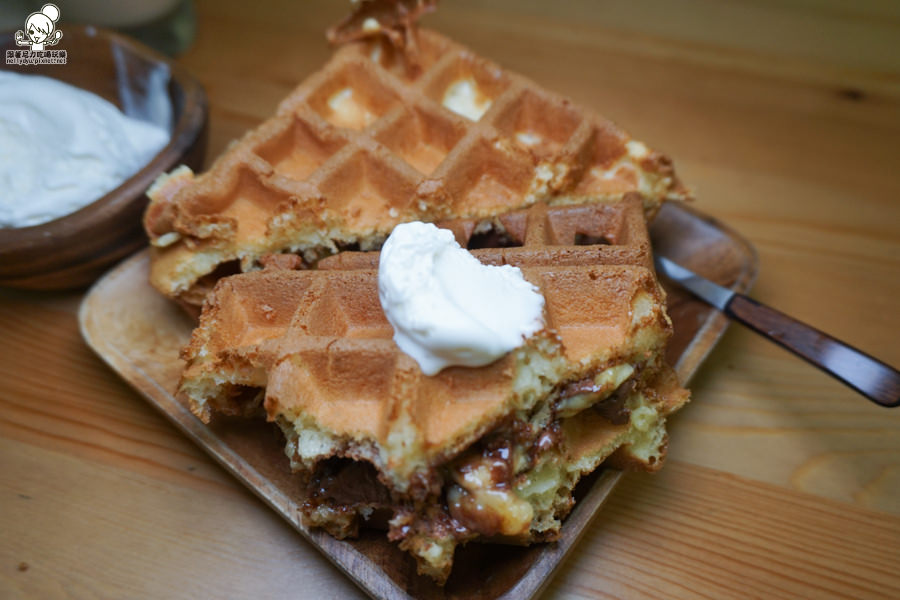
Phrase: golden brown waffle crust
(314, 179)
(320, 344)
(331, 365)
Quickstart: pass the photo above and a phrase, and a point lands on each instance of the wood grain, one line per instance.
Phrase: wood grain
(785, 120)
(663, 536)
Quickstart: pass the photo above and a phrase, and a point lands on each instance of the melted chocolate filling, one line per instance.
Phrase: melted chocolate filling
(346, 482)
(346, 485)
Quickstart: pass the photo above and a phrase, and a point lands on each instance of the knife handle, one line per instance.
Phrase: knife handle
(872, 378)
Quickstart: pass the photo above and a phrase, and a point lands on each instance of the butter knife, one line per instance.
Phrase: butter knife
(872, 378)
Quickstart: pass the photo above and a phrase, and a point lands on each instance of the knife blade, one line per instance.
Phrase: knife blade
(872, 378)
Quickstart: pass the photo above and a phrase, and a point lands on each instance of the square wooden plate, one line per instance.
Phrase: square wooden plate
(139, 333)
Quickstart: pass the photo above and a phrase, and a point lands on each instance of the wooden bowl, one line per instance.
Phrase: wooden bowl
(73, 250)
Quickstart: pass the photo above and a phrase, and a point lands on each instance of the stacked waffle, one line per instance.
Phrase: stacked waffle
(489, 453)
(522, 177)
(373, 140)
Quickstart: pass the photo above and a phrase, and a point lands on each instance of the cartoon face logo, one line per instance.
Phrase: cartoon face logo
(40, 29)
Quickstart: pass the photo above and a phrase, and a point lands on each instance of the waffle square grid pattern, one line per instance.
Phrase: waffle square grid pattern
(370, 141)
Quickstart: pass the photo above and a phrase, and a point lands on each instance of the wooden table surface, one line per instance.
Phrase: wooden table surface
(785, 120)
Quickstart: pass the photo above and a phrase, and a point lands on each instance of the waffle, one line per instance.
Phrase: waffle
(375, 139)
(488, 453)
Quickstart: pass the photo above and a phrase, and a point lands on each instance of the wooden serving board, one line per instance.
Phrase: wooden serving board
(139, 334)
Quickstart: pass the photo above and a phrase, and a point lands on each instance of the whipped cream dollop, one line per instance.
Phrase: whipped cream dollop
(446, 307)
(62, 147)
